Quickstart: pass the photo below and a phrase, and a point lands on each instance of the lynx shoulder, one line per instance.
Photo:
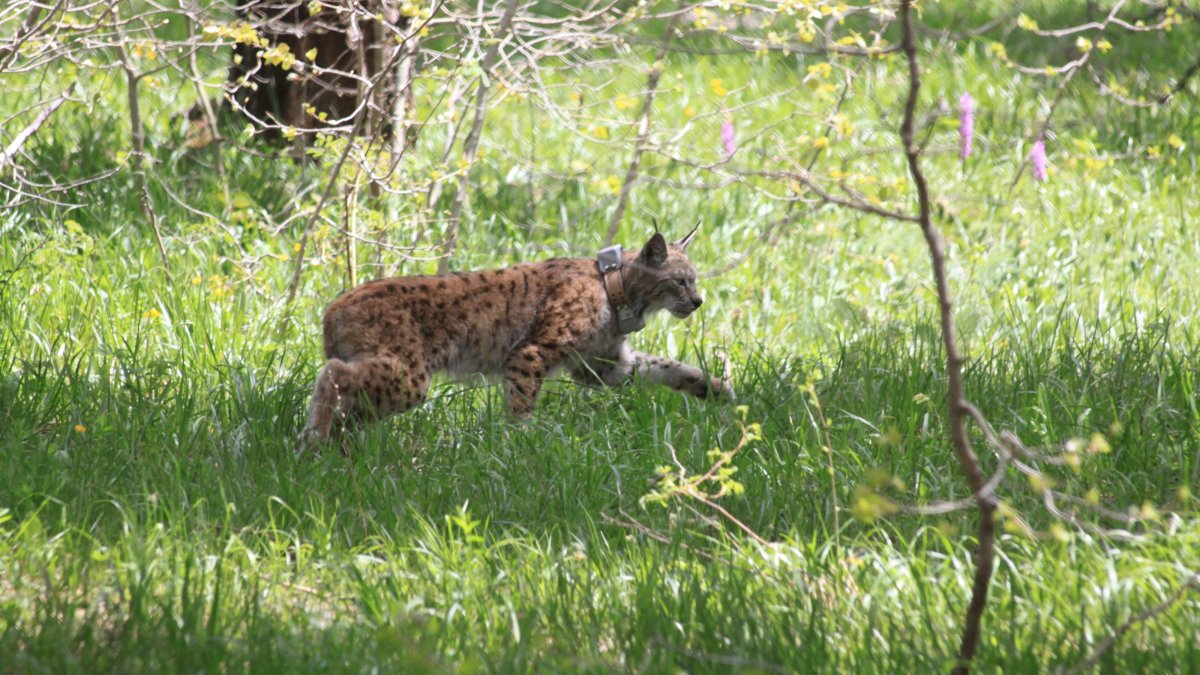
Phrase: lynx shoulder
(385, 339)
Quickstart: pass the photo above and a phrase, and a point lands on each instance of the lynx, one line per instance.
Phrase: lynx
(385, 339)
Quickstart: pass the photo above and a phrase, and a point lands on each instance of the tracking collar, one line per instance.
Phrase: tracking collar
(610, 264)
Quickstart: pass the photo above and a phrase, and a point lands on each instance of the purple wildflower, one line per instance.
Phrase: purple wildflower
(727, 138)
(1037, 157)
(966, 126)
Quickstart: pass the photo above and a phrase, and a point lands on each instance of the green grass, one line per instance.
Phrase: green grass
(154, 516)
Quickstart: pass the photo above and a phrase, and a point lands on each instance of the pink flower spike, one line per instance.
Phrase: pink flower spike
(727, 138)
(966, 124)
(1037, 157)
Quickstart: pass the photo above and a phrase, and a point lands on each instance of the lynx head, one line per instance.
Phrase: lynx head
(662, 277)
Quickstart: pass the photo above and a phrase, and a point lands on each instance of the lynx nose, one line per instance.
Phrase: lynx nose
(696, 302)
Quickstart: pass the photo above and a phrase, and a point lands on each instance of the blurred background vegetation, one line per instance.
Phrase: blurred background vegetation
(159, 312)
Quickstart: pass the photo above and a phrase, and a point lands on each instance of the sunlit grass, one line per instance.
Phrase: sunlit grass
(154, 515)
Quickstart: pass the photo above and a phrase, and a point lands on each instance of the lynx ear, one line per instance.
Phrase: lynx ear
(682, 244)
(654, 253)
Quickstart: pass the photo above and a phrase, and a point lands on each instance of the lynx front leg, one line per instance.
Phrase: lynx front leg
(524, 372)
(604, 372)
(680, 377)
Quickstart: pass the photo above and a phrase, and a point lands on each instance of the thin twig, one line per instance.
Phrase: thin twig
(1141, 617)
(1183, 81)
(137, 135)
(645, 117)
(955, 399)
(471, 143)
(25, 134)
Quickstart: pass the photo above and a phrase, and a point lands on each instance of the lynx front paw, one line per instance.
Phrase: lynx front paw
(712, 388)
(722, 390)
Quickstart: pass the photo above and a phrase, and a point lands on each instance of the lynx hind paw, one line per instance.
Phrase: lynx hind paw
(308, 441)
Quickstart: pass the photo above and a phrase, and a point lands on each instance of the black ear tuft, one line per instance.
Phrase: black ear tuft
(654, 253)
(682, 244)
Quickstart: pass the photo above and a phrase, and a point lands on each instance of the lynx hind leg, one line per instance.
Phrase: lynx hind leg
(681, 377)
(368, 387)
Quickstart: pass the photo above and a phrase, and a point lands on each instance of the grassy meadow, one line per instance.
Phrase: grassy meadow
(155, 516)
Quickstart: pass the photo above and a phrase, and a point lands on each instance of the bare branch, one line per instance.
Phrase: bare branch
(32, 128)
(643, 126)
(956, 400)
(471, 144)
(1143, 616)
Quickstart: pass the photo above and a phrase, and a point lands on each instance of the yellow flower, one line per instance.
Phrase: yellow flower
(197, 279)
(1039, 483)
(689, 111)
(624, 102)
(1104, 46)
(414, 9)
(820, 70)
(717, 86)
(311, 54)
(614, 184)
(280, 55)
(1148, 512)
(1175, 141)
(145, 50)
(79, 428)
(843, 126)
(241, 32)
(152, 313)
(599, 131)
(1026, 23)
(820, 142)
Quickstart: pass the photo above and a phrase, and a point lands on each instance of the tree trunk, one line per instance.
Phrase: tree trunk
(350, 43)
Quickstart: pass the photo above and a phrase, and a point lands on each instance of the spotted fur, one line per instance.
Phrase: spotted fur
(385, 339)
